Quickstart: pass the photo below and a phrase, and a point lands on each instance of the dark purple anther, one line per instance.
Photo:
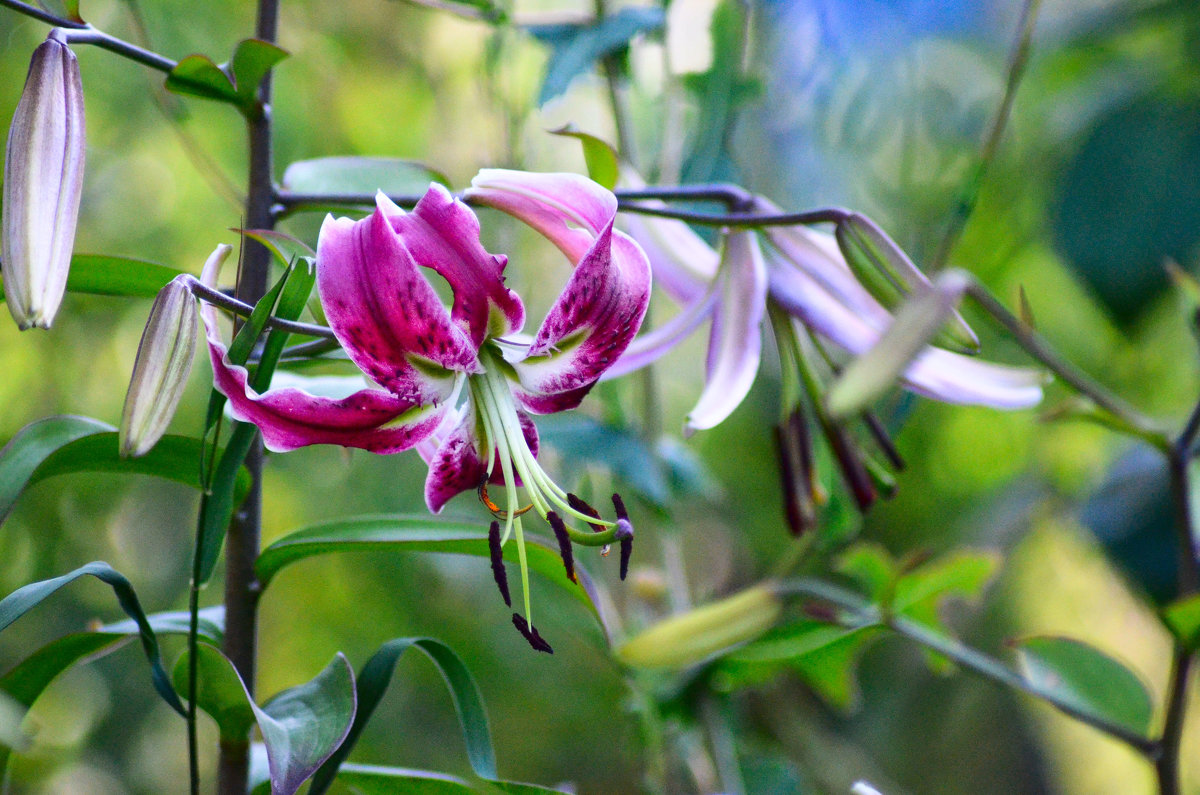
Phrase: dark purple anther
(564, 543)
(498, 572)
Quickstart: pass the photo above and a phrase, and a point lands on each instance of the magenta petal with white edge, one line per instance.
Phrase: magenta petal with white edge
(385, 313)
(735, 344)
(568, 209)
(442, 233)
(593, 321)
(458, 466)
(370, 419)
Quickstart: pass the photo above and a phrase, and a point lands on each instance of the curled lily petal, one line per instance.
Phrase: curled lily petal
(458, 464)
(735, 342)
(570, 210)
(936, 373)
(385, 313)
(443, 234)
(593, 321)
(370, 419)
(602, 306)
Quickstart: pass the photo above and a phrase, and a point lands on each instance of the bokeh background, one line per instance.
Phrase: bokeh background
(876, 105)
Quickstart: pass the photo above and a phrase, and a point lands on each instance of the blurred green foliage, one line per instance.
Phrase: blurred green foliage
(1094, 185)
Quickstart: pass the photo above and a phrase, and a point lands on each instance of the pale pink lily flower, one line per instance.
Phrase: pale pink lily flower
(389, 319)
(806, 275)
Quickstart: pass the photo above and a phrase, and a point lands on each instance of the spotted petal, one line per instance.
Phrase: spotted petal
(603, 304)
(442, 233)
(457, 465)
(385, 313)
(370, 419)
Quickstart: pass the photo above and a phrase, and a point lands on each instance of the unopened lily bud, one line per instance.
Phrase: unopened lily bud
(43, 180)
(694, 636)
(890, 276)
(160, 373)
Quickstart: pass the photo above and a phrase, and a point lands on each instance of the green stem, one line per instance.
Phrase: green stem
(1037, 347)
(1017, 60)
(864, 613)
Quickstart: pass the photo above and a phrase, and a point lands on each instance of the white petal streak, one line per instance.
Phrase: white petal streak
(735, 344)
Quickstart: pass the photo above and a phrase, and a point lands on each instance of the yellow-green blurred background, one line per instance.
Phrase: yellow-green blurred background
(875, 105)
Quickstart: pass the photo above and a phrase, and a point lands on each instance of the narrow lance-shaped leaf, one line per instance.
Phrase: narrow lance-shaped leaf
(26, 681)
(372, 683)
(418, 534)
(65, 444)
(598, 154)
(96, 274)
(21, 601)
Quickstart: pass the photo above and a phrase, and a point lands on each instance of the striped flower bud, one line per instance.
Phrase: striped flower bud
(43, 179)
(160, 373)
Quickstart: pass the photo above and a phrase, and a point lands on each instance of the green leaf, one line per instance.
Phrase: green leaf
(372, 683)
(219, 692)
(300, 726)
(32, 445)
(375, 780)
(575, 48)
(198, 76)
(1183, 619)
(1087, 679)
(210, 624)
(360, 175)
(962, 573)
(598, 154)
(95, 274)
(65, 444)
(21, 601)
(252, 60)
(68, 9)
(285, 247)
(304, 725)
(26, 681)
(871, 567)
(421, 533)
(823, 654)
(217, 509)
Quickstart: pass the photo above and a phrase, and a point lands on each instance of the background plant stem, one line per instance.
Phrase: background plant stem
(245, 532)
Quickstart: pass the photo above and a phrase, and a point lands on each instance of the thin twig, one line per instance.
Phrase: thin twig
(104, 41)
(79, 32)
(1018, 59)
(242, 309)
(864, 613)
(1037, 347)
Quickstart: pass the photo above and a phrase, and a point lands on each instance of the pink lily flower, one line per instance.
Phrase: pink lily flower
(423, 357)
